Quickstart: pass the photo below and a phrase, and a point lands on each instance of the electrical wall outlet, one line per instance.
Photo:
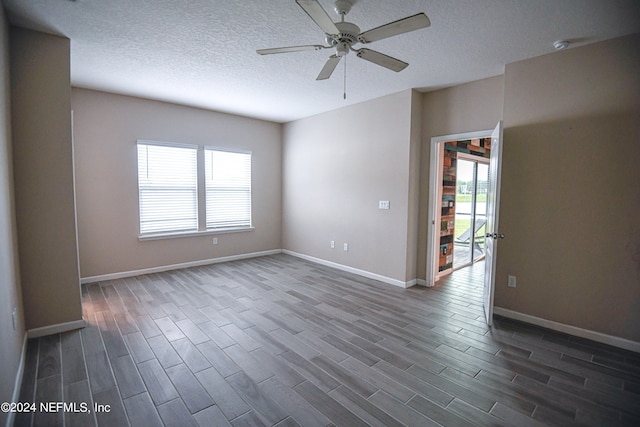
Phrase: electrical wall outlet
(333, 244)
(346, 247)
(512, 281)
(215, 240)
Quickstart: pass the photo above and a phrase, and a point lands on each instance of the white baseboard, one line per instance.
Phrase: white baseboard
(56, 329)
(571, 330)
(159, 269)
(18, 381)
(357, 271)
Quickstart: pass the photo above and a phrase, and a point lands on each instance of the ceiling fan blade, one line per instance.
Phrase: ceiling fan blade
(328, 68)
(319, 16)
(401, 26)
(290, 49)
(381, 59)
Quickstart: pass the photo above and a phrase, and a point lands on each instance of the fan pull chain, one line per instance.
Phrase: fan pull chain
(344, 95)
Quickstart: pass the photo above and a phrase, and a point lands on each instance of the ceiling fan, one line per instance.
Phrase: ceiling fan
(342, 35)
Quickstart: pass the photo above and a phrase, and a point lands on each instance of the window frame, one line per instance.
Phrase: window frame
(206, 217)
(191, 147)
(200, 191)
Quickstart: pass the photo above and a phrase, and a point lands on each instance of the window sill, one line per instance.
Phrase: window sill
(160, 236)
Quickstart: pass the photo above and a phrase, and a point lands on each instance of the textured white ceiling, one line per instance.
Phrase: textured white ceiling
(203, 52)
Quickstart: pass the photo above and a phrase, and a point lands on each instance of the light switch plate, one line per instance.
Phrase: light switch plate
(384, 204)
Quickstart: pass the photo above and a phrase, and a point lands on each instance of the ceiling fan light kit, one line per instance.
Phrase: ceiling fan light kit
(342, 35)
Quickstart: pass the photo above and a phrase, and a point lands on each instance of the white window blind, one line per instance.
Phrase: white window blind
(167, 185)
(228, 189)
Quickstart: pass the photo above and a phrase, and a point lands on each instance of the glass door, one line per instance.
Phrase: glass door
(480, 219)
(472, 178)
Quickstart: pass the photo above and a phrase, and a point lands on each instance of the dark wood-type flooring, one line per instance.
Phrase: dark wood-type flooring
(281, 341)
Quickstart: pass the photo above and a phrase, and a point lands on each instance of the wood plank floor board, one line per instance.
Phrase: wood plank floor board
(125, 321)
(142, 412)
(77, 393)
(251, 366)
(239, 336)
(169, 329)
(311, 372)
(99, 370)
(499, 394)
(403, 413)
(351, 349)
(48, 389)
(377, 379)
(218, 358)
(443, 359)
(512, 416)
(344, 376)
(263, 405)
(211, 416)
(147, 326)
(285, 373)
(164, 351)
(223, 395)
(331, 409)
(49, 356)
(363, 409)
(115, 415)
(192, 331)
(175, 414)
(414, 383)
(437, 413)
(474, 415)
(322, 347)
(281, 341)
(190, 354)
(381, 353)
(113, 341)
(127, 376)
(72, 358)
(460, 391)
(298, 408)
(138, 347)
(292, 342)
(218, 336)
(190, 390)
(249, 419)
(158, 384)
(416, 357)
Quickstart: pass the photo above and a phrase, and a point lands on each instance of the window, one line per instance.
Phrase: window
(228, 184)
(167, 185)
(168, 176)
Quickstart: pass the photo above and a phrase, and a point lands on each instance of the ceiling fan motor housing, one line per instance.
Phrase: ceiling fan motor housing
(348, 35)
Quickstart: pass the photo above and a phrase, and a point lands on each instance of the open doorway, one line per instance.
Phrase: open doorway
(443, 234)
(442, 189)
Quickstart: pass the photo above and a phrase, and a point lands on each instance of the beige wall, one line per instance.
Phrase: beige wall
(571, 188)
(470, 107)
(10, 291)
(106, 128)
(43, 173)
(336, 167)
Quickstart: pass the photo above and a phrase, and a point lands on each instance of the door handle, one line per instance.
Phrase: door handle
(495, 235)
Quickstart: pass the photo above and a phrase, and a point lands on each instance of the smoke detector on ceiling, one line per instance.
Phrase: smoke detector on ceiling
(561, 44)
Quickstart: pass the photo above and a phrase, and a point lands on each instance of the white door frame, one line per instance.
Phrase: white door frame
(435, 172)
